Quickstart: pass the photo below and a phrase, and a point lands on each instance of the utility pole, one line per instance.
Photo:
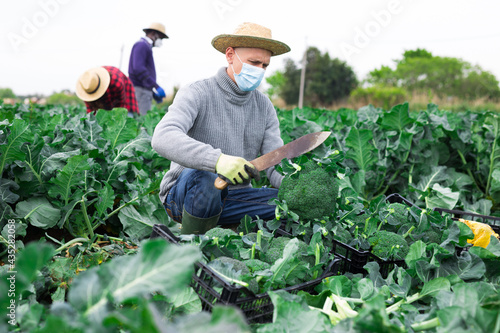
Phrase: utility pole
(302, 78)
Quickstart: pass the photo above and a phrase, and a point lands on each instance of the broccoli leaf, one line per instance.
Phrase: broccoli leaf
(11, 151)
(71, 176)
(361, 149)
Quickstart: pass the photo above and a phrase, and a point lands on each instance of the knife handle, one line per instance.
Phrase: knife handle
(220, 183)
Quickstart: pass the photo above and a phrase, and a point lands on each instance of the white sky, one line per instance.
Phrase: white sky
(46, 44)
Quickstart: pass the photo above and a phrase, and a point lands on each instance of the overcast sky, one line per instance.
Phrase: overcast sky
(46, 44)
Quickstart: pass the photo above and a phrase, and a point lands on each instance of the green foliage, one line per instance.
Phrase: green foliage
(276, 82)
(311, 192)
(420, 71)
(219, 232)
(342, 235)
(64, 98)
(255, 265)
(433, 157)
(65, 169)
(7, 93)
(326, 80)
(379, 95)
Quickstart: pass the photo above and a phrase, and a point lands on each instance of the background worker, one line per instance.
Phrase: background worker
(106, 88)
(141, 68)
(214, 127)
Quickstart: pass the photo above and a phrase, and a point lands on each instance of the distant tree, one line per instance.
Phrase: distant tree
(289, 91)
(327, 80)
(420, 71)
(276, 82)
(418, 53)
(7, 93)
(65, 98)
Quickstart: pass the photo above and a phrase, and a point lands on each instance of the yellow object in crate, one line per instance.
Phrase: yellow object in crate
(482, 233)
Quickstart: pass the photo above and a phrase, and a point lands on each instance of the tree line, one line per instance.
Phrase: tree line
(329, 80)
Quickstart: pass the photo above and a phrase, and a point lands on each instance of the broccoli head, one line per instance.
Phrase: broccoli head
(255, 265)
(277, 247)
(388, 245)
(219, 232)
(275, 250)
(311, 192)
(399, 211)
(236, 266)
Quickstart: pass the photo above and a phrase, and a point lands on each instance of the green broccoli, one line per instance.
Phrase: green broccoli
(359, 219)
(399, 212)
(388, 245)
(255, 265)
(220, 233)
(236, 266)
(277, 247)
(275, 250)
(311, 193)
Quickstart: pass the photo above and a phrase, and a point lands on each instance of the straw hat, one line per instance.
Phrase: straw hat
(250, 35)
(92, 84)
(158, 27)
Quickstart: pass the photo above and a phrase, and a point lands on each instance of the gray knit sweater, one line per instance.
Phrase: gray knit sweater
(214, 116)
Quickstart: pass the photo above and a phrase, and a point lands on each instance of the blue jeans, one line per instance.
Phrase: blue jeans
(194, 191)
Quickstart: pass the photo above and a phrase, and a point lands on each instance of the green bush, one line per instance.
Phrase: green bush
(380, 96)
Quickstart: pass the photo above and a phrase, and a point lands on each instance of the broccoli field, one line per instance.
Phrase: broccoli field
(368, 245)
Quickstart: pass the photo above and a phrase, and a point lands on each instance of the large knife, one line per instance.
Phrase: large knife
(292, 149)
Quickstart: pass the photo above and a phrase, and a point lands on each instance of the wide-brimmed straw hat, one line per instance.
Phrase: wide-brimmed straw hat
(92, 84)
(158, 27)
(250, 35)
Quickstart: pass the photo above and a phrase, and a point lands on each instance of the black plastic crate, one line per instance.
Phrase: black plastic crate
(492, 221)
(353, 260)
(212, 289)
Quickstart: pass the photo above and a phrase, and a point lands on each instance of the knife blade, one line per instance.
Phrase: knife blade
(292, 149)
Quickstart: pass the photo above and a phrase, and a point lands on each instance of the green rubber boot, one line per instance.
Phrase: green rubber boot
(197, 225)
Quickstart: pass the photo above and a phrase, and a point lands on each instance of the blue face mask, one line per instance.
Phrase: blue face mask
(249, 77)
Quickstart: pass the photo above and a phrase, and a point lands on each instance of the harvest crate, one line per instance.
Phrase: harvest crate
(353, 260)
(212, 289)
(492, 221)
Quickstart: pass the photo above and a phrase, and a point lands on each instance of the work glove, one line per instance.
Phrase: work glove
(235, 170)
(482, 233)
(160, 92)
(157, 98)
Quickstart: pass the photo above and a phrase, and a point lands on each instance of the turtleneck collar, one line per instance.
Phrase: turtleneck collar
(234, 94)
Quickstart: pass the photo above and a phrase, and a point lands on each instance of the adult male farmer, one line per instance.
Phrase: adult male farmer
(141, 68)
(106, 88)
(214, 127)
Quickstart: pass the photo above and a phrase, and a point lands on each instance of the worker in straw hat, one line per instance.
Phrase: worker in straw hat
(106, 88)
(213, 128)
(141, 68)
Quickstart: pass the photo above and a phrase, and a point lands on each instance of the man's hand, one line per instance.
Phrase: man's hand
(235, 170)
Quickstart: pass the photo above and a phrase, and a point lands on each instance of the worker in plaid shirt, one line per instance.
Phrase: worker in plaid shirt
(106, 88)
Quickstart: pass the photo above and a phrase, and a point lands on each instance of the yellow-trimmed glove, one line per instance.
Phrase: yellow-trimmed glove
(482, 233)
(235, 170)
